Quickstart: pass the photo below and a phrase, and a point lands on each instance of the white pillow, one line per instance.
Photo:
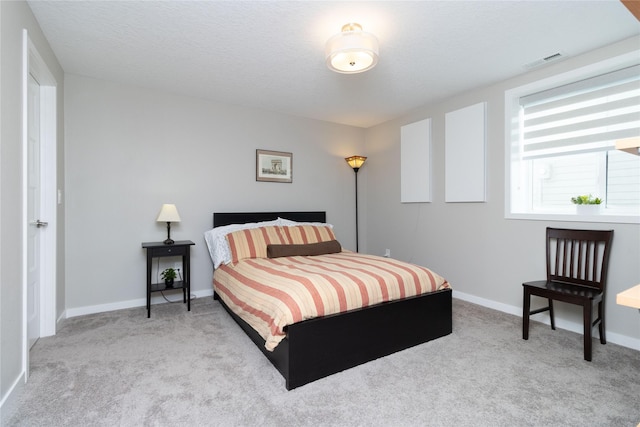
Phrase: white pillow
(289, 223)
(219, 246)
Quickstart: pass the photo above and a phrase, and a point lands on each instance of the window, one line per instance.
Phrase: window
(561, 135)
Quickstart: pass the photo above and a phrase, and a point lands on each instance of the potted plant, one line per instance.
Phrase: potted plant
(587, 204)
(169, 275)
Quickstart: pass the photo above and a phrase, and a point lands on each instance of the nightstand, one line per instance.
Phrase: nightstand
(158, 250)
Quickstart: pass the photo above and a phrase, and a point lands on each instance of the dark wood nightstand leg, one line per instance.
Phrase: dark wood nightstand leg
(185, 260)
(149, 261)
(188, 277)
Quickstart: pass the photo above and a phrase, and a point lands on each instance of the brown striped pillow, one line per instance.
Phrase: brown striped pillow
(304, 234)
(252, 242)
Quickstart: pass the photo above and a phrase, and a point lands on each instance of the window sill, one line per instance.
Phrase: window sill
(572, 217)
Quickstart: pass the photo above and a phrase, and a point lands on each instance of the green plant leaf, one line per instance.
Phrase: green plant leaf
(586, 200)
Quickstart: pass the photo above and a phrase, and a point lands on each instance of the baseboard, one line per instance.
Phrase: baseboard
(505, 308)
(612, 337)
(9, 401)
(140, 302)
(61, 319)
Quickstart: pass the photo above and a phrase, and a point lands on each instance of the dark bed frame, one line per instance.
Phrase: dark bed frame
(320, 347)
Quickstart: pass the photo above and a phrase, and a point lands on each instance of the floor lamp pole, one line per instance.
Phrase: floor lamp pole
(356, 162)
(356, 170)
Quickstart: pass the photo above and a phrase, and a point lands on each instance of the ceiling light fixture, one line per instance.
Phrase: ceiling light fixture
(352, 50)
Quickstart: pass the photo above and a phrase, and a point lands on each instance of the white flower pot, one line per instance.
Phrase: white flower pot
(588, 209)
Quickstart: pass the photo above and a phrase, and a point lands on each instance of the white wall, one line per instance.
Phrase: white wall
(485, 256)
(16, 16)
(130, 149)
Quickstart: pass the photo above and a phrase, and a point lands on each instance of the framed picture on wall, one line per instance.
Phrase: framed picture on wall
(274, 166)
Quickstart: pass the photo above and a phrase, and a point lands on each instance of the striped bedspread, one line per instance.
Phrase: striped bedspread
(270, 294)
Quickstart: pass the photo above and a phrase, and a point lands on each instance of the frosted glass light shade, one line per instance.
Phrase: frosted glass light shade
(356, 161)
(352, 50)
(168, 213)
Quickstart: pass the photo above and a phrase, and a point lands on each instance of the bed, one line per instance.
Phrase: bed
(321, 346)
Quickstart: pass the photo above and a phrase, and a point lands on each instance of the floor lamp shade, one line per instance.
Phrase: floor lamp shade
(168, 213)
(356, 162)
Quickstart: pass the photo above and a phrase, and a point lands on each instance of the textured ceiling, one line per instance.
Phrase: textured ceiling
(270, 54)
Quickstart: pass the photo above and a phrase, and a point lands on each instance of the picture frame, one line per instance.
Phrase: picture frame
(274, 166)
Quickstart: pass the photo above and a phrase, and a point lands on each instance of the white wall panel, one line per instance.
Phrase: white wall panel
(465, 164)
(415, 162)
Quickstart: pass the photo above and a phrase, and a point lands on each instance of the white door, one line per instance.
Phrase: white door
(39, 182)
(33, 210)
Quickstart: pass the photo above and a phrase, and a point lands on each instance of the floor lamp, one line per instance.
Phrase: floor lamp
(356, 163)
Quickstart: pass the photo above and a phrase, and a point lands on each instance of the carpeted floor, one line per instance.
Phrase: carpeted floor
(199, 369)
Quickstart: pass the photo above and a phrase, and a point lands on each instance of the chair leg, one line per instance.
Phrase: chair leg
(587, 308)
(602, 329)
(551, 316)
(526, 306)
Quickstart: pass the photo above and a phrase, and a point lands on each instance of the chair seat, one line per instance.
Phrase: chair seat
(545, 287)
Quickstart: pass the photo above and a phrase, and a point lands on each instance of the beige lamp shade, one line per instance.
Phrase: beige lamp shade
(168, 213)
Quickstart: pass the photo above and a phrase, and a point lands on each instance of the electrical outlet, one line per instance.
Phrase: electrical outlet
(178, 266)
(387, 253)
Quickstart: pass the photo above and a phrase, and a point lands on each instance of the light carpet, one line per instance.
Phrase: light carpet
(198, 368)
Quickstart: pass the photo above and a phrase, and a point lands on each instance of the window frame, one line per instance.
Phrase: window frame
(511, 123)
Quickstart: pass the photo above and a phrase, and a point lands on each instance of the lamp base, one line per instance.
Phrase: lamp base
(169, 240)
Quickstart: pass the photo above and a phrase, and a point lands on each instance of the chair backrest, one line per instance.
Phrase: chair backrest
(579, 257)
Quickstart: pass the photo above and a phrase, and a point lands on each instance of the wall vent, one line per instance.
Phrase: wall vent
(546, 60)
(552, 57)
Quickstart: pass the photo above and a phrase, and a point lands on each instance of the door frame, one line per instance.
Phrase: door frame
(32, 63)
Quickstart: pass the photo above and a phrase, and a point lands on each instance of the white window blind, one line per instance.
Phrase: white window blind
(585, 116)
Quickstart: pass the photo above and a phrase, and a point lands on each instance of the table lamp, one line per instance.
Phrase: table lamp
(168, 213)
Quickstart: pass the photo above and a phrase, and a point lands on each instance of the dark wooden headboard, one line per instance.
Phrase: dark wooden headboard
(227, 218)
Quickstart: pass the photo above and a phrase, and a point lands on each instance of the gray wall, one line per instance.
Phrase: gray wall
(131, 149)
(15, 16)
(485, 256)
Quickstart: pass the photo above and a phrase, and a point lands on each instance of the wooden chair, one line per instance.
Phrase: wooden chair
(577, 263)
